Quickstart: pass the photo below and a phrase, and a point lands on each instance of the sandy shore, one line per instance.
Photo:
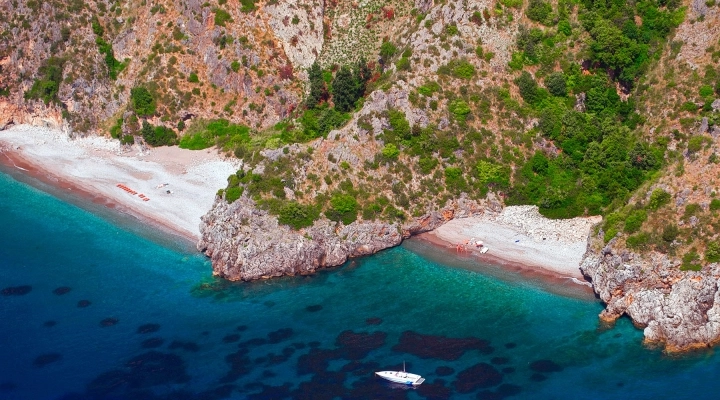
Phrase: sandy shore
(521, 239)
(93, 167)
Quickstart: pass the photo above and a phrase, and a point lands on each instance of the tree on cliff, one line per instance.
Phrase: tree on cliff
(362, 74)
(318, 91)
(142, 101)
(344, 90)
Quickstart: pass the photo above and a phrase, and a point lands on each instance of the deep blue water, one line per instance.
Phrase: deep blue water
(158, 325)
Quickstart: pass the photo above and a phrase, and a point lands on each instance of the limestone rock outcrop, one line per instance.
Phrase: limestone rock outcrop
(246, 243)
(677, 309)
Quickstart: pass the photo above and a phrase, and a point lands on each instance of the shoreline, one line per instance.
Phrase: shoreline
(89, 170)
(520, 240)
(501, 268)
(74, 171)
(16, 166)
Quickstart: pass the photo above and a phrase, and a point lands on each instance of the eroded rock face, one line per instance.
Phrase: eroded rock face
(245, 243)
(679, 309)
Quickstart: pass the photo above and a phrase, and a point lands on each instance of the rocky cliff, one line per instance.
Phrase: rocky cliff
(246, 243)
(676, 309)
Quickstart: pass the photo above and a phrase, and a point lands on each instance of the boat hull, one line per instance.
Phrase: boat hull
(401, 377)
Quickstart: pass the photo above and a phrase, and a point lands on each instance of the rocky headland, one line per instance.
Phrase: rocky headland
(247, 243)
(679, 310)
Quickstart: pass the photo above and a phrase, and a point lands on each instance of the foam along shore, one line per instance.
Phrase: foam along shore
(167, 186)
(520, 236)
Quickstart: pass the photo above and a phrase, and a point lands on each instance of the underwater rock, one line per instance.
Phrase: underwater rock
(45, 359)
(62, 290)
(16, 290)
(83, 303)
(148, 328)
(109, 322)
(479, 376)
(439, 347)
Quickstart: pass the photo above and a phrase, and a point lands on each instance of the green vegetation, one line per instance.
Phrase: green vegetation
(556, 85)
(539, 11)
(318, 91)
(47, 85)
(344, 90)
(203, 135)
(458, 68)
(712, 252)
(142, 101)
(297, 215)
(222, 17)
(387, 51)
(114, 66)
(600, 159)
(343, 207)
(158, 136)
(626, 47)
(248, 5)
(390, 151)
(658, 198)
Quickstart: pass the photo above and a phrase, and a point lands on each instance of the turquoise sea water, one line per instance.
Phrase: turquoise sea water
(93, 308)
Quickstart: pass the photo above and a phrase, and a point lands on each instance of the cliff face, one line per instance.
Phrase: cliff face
(245, 243)
(677, 309)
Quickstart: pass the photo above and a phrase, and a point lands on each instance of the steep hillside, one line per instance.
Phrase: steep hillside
(353, 117)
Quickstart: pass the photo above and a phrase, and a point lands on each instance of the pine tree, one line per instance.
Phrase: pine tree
(362, 75)
(344, 90)
(317, 86)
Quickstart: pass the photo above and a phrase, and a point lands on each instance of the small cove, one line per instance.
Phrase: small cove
(112, 312)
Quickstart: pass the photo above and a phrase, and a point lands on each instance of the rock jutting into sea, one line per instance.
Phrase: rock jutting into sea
(246, 243)
(677, 309)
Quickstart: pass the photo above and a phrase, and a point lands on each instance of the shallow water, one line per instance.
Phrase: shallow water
(116, 312)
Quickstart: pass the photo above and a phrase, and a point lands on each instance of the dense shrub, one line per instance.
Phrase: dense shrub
(222, 17)
(658, 198)
(670, 233)
(539, 11)
(492, 174)
(344, 90)
(47, 85)
(204, 135)
(297, 215)
(715, 204)
(158, 136)
(390, 151)
(527, 86)
(142, 101)
(319, 122)
(233, 193)
(429, 88)
(248, 5)
(712, 252)
(399, 124)
(427, 164)
(635, 220)
(638, 241)
(459, 109)
(387, 51)
(403, 64)
(458, 68)
(343, 207)
(556, 85)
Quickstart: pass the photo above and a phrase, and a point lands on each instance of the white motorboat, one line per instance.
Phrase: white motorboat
(402, 377)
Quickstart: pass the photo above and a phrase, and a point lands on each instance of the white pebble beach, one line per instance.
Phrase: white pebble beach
(96, 165)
